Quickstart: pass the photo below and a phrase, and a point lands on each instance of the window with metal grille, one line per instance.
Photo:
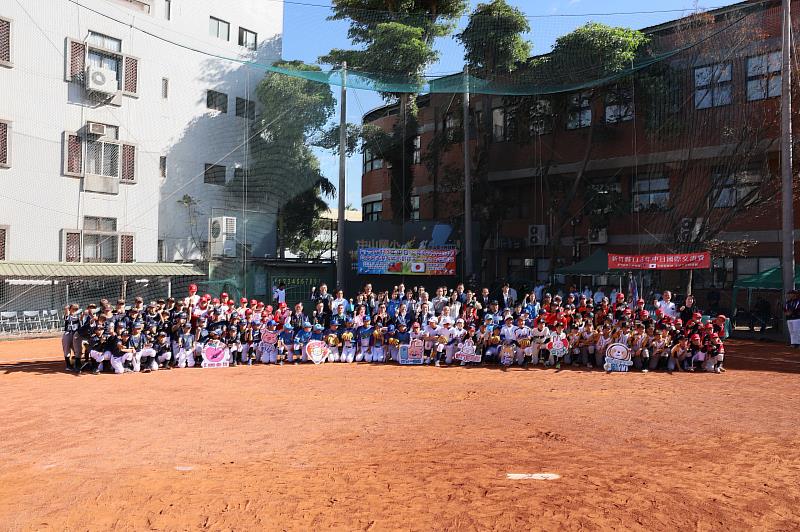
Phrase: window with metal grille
(417, 159)
(162, 251)
(219, 28)
(214, 174)
(76, 62)
(764, 76)
(128, 173)
(72, 246)
(99, 239)
(3, 238)
(164, 88)
(102, 158)
(126, 248)
(217, 101)
(131, 75)
(713, 85)
(73, 154)
(162, 166)
(5, 142)
(5, 42)
(248, 39)
(579, 111)
(245, 108)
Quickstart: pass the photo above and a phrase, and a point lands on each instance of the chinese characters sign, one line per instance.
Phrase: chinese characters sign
(700, 260)
(404, 261)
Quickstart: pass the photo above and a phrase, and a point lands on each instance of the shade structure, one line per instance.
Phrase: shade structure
(594, 264)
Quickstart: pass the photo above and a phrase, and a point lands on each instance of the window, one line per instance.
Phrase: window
(164, 88)
(99, 40)
(415, 207)
(100, 240)
(735, 189)
(417, 150)
(162, 251)
(541, 117)
(371, 161)
(498, 124)
(168, 9)
(371, 212)
(603, 194)
(214, 174)
(5, 42)
(755, 265)
(217, 101)
(764, 76)
(516, 201)
(619, 105)
(239, 172)
(99, 59)
(579, 111)
(248, 39)
(452, 125)
(713, 85)
(145, 6)
(650, 194)
(3, 241)
(219, 29)
(5, 144)
(103, 153)
(245, 108)
(162, 166)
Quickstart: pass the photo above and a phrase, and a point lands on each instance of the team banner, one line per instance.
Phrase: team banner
(678, 261)
(404, 261)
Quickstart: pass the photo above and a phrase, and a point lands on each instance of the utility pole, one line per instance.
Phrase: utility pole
(468, 267)
(787, 215)
(340, 251)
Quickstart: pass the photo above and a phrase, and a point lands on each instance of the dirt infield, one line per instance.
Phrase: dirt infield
(358, 447)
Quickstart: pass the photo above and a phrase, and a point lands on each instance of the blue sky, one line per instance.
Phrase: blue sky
(307, 35)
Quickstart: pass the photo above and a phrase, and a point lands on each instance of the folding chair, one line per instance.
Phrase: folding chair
(55, 319)
(31, 320)
(9, 322)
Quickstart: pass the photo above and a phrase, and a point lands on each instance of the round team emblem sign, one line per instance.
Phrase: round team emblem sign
(269, 337)
(619, 352)
(559, 348)
(317, 351)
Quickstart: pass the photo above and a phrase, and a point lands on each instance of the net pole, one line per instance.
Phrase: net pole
(468, 267)
(340, 252)
(787, 218)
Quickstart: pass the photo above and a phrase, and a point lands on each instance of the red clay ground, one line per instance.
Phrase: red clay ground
(380, 448)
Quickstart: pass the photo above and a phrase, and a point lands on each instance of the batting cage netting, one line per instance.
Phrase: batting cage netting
(164, 143)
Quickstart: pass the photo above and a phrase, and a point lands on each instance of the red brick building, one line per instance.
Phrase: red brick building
(661, 170)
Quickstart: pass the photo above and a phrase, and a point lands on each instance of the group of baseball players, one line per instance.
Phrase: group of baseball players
(374, 328)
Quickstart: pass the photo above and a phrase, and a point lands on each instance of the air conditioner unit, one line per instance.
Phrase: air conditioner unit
(537, 235)
(689, 229)
(101, 80)
(598, 235)
(222, 236)
(93, 128)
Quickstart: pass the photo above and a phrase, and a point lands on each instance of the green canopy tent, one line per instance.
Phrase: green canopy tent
(594, 264)
(767, 280)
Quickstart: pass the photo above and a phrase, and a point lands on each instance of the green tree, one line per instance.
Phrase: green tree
(286, 171)
(394, 42)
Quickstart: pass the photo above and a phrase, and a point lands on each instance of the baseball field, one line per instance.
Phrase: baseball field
(360, 447)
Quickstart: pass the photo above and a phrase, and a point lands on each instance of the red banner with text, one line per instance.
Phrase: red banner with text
(700, 260)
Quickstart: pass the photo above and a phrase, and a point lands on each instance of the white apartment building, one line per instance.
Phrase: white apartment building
(121, 121)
